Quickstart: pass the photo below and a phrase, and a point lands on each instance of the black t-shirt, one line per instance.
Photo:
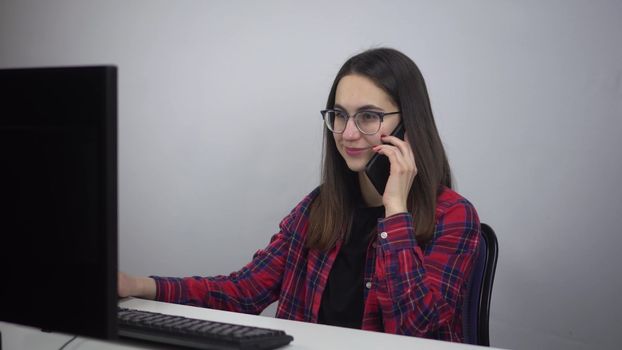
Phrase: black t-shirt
(342, 301)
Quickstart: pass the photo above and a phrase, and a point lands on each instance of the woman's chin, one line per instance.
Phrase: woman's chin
(356, 166)
(356, 163)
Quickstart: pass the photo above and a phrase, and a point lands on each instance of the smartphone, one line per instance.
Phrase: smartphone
(378, 167)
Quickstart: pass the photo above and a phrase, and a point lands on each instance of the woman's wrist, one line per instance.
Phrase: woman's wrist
(390, 210)
(146, 287)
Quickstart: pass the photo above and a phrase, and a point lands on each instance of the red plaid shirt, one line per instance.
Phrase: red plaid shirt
(409, 290)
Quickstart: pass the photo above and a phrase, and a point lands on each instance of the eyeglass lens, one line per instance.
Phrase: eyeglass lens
(367, 122)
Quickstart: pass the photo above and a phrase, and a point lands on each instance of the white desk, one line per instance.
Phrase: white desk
(306, 335)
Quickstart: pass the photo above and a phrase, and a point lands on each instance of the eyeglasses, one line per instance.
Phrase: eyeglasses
(368, 122)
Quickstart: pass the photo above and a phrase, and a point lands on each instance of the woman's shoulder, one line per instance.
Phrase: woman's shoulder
(302, 209)
(449, 201)
(457, 221)
(304, 205)
(308, 199)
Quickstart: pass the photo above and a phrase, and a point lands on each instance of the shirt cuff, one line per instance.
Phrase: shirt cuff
(397, 232)
(168, 289)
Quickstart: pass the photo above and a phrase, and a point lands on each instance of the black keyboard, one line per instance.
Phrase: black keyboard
(195, 333)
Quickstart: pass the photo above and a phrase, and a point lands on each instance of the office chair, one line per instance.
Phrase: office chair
(476, 307)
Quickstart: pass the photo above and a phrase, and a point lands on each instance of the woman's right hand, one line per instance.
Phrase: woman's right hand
(130, 286)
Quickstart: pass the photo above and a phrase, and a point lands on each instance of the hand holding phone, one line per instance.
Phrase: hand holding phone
(378, 168)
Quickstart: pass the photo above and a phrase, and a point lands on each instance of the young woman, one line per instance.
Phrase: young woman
(346, 255)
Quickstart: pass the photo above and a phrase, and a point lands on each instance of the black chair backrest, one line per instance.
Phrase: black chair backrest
(476, 307)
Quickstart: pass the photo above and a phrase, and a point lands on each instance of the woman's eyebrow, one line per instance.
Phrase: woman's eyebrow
(369, 106)
(362, 108)
(337, 105)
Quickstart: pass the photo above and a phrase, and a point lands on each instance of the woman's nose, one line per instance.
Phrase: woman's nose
(351, 131)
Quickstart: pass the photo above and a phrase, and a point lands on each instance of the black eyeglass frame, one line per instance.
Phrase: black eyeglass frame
(378, 113)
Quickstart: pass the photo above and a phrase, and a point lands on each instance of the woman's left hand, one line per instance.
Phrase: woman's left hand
(402, 174)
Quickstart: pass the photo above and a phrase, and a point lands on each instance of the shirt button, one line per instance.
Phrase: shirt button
(368, 285)
(383, 235)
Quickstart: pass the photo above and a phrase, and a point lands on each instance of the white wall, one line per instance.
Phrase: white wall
(220, 131)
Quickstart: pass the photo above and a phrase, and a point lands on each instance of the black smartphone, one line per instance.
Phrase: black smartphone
(378, 167)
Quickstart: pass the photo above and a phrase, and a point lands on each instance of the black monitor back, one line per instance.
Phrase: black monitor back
(58, 199)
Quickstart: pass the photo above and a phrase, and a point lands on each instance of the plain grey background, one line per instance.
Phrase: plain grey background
(220, 132)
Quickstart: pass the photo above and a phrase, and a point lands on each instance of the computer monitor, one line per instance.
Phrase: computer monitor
(58, 199)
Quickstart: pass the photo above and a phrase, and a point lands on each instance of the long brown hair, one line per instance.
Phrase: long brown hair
(332, 211)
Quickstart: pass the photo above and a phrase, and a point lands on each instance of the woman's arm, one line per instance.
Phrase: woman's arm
(417, 293)
(256, 285)
(249, 290)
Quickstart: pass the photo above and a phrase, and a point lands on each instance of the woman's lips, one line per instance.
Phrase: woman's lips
(353, 152)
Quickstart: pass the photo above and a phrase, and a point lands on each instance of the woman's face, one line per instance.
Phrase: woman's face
(356, 93)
